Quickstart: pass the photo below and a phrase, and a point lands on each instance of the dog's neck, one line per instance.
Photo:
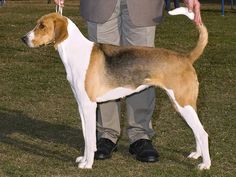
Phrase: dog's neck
(75, 52)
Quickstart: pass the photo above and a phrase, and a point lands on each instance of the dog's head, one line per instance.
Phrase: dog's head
(51, 28)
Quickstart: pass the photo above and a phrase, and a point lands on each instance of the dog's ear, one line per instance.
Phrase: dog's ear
(60, 30)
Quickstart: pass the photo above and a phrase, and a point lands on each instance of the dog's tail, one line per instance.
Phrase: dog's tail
(203, 34)
(201, 44)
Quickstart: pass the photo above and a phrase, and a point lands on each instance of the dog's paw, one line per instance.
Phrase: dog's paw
(204, 166)
(194, 155)
(80, 159)
(85, 165)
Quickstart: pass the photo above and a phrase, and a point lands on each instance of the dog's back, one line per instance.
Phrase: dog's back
(133, 66)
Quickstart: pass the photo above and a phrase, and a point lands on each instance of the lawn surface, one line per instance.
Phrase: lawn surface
(40, 130)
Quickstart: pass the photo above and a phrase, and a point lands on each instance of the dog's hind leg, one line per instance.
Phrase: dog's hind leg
(190, 116)
(198, 153)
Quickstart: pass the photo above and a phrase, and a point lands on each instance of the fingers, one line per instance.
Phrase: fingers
(190, 5)
(59, 2)
(198, 19)
(194, 6)
(56, 2)
(196, 10)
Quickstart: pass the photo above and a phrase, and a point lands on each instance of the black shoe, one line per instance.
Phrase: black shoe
(144, 151)
(105, 147)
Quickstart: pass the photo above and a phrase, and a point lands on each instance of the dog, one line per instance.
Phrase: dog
(102, 72)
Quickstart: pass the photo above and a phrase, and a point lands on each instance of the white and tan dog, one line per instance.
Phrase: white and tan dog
(102, 72)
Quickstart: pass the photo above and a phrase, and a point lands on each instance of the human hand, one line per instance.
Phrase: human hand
(59, 2)
(194, 6)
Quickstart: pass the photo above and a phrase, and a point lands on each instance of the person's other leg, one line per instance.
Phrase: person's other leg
(176, 3)
(167, 3)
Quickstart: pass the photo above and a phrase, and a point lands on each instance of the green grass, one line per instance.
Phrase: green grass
(40, 131)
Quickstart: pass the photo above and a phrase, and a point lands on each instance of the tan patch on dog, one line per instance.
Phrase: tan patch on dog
(50, 28)
(164, 68)
(96, 83)
(113, 66)
(177, 74)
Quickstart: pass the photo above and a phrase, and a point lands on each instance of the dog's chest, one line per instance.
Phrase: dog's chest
(75, 54)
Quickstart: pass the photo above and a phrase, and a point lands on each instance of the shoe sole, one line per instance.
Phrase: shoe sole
(149, 160)
(104, 157)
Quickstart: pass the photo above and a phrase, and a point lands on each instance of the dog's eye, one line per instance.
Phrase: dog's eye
(41, 26)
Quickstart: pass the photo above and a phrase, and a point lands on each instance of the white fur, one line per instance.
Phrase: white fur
(75, 54)
(201, 137)
(30, 36)
(120, 92)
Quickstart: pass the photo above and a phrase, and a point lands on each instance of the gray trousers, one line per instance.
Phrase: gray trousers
(119, 30)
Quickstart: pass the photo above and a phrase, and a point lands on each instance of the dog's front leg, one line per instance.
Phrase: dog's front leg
(82, 159)
(88, 118)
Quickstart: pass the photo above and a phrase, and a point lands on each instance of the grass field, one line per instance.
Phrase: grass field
(40, 131)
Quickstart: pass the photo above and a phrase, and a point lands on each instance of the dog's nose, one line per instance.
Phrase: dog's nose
(24, 39)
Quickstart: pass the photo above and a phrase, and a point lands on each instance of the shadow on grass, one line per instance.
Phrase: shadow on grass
(16, 127)
(15, 122)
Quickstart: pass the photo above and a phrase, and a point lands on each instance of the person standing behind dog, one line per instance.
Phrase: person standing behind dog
(126, 22)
